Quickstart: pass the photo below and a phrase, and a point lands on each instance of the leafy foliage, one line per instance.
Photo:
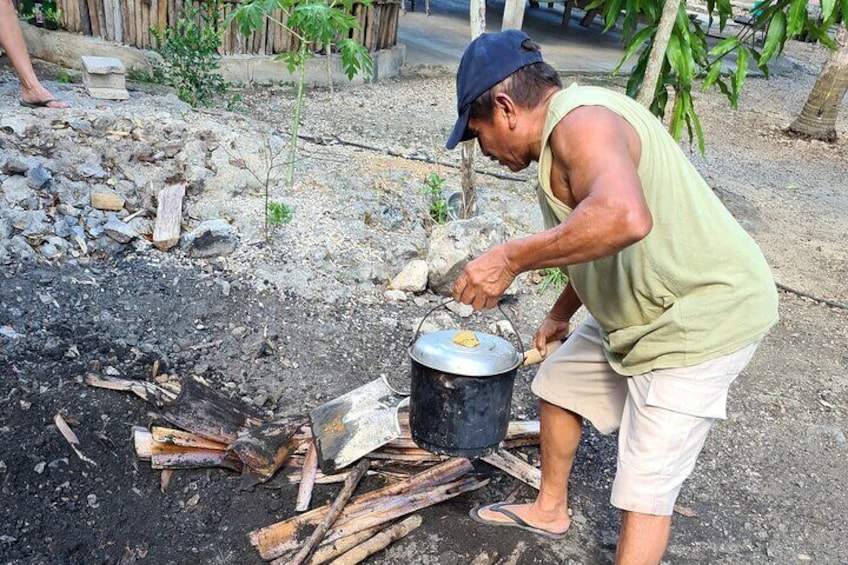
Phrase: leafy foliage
(319, 25)
(436, 201)
(689, 57)
(190, 54)
(553, 278)
(279, 213)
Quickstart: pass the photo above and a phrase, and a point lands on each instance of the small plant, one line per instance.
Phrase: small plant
(62, 77)
(52, 17)
(190, 54)
(435, 199)
(279, 213)
(552, 277)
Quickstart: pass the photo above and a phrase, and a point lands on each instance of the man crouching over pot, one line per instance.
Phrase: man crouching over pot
(679, 296)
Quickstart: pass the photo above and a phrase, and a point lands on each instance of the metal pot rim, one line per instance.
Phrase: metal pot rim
(494, 356)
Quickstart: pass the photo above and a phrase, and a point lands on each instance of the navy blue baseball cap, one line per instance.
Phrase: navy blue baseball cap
(487, 60)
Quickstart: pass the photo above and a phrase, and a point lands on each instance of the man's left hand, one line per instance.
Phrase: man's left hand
(484, 280)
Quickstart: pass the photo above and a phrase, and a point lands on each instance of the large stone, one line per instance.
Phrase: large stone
(16, 192)
(38, 177)
(7, 228)
(15, 250)
(32, 223)
(412, 278)
(106, 199)
(454, 244)
(210, 239)
(118, 230)
(16, 164)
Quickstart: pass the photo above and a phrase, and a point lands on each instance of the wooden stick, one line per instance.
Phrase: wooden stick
(329, 551)
(512, 465)
(331, 515)
(184, 439)
(267, 447)
(169, 216)
(307, 481)
(379, 542)
(71, 438)
(277, 539)
(143, 442)
(149, 392)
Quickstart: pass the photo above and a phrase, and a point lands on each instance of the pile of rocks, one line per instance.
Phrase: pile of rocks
(87, 185)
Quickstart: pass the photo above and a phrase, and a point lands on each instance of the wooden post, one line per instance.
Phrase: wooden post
(513, 17)
(477, 15)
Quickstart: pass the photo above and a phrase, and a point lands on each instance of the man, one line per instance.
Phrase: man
(33, 94)
(678, 294)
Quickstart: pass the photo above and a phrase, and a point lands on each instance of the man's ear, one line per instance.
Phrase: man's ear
(506, 105)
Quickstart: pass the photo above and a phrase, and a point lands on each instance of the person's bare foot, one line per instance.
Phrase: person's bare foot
(41, 98)
(556, 523)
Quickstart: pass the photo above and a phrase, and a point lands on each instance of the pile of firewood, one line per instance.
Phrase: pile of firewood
(207, 429)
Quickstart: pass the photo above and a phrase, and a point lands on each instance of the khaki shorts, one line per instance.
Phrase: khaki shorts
(663, 416)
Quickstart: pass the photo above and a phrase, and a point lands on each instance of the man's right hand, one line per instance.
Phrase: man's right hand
(551, 329)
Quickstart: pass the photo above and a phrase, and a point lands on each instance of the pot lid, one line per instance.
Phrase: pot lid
(471, 354)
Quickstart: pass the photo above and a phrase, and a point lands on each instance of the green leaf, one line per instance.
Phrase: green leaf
(699, 132)
(820, 35)
(827, 9)
(712, 76)
(724, 47)
(635, 44)
(612, 13)
(741, 69)
(676, 126)
(775, 37)
(355, 59)
(679, 55)
(797, 17)
(725, 10)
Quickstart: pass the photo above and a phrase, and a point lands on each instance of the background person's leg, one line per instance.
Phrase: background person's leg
(12, 42)
(643, 539)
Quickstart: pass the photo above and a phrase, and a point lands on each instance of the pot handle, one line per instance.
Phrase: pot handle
(448, 301)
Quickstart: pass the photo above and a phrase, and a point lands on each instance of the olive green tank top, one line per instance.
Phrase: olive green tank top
(697, 287)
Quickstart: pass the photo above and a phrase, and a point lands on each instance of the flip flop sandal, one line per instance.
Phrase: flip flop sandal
(42, 104)
(517, 522)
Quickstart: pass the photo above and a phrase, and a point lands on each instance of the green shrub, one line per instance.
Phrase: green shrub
(279, 213)
(553, 278)
(190, 54)
(435, 198)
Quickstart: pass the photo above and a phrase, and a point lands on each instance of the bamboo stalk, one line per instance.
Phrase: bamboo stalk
(108, 20)
(332, 513)
(101, 17)
(118, 7)
(329, 551)
(518, 468)
(379, 542)
(92, 16)
(184, 439)
(274, 540)
(307, 482)
(139, 23)
(162, 20)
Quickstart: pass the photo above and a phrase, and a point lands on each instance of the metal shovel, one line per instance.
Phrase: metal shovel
(356, 423)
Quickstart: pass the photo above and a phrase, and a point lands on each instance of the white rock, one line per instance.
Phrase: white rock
(455, 243)
(396, 295)
(412, 278)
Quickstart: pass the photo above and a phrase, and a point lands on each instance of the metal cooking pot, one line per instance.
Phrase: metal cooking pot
(461, 390)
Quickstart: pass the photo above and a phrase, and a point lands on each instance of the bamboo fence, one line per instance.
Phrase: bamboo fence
(129, 22)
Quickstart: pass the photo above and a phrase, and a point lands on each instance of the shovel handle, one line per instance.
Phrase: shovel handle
(532, 356)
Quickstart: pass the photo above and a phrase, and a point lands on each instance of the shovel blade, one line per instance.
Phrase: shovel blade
(355, 424)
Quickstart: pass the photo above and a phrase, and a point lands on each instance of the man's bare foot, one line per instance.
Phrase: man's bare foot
(41, 98)
(525, 516)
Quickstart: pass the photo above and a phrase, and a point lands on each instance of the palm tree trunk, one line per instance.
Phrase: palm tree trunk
(818, 117)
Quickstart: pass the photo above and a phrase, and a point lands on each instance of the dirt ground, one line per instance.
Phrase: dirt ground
(768, 488)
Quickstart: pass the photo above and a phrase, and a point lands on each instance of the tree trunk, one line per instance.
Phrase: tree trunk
(648, 90)
(818, 117)
(477, 13)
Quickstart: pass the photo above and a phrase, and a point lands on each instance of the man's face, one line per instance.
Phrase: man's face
(498, 141)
